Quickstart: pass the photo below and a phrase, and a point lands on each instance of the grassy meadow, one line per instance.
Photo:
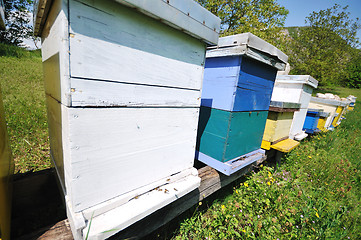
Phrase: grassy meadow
(24, 102)
(314, 194)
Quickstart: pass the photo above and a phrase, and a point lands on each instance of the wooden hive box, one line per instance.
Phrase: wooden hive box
(322, 121)
(296, 89)
(238, 80)
(327, 105)
(6, 173)
(311, 121)
(278, 124)
(123, 84)
(340, 110)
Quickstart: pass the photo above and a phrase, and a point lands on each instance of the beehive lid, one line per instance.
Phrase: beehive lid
(304, 79)
(317, 112)
(324, 114)
(2, 15)
(332, 102)
(278, 104)
(251, 46)
(185, 15)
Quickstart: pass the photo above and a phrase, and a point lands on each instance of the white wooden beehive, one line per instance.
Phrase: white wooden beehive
(296, 89)
(123, 81)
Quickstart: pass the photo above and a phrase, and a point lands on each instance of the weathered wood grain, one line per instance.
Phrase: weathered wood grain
(87, 93)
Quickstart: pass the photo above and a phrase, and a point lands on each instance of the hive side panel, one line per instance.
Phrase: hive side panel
(270, 127)
(298, 121)
(285, 92)
(55, 136)
(111, 42)
(116, 150)
(283, 126)
(335, 120)
(220, 81)
(212, 132)
(99, 93)
(245, 134)
(55, 51)
(306, 96)
(255, 85)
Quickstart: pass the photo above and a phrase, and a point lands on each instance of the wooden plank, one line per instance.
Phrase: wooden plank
(112, 42)
(55, 48)
(104, 148)
(285, 145)
(102, 93)
(211, 182)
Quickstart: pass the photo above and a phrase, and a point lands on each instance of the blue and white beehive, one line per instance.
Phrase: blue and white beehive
(238, 80)
(123, 85)
(311, 121)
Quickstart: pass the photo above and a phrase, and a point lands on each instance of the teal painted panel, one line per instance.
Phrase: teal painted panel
(225, 135)
(245, 133)
(212, 131)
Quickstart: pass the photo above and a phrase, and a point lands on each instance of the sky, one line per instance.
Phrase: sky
(300, 9)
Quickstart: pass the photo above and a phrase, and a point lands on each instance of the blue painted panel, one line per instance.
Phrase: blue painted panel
(236, 83)
(311, 121)
(220, 81)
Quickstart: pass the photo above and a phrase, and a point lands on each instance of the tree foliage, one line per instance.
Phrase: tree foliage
(325, 47)
(354, 72)
(264, 18)
(17, 22)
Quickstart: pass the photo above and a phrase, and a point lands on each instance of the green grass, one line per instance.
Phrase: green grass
(24, 102)
(314, 194)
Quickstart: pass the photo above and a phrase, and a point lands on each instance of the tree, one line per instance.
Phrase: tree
(17, 19)
(324, 47)
(354, 72)
(264, 18)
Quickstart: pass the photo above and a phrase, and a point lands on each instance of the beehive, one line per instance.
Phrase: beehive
(311, 122)
(6, 172)
(123, 84)
(327, 105)
(238, 81)
(352, 103)
(278, 124)
(322, 121)
(295, 89)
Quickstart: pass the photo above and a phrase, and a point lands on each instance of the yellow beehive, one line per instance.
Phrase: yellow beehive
(278, 126)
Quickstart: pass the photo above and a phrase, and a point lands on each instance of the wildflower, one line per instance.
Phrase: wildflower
(309, 157)
(313, 221)
(236, 191)
(200, 203)
(301, 216)
(243, 230)
(261, 165)
(258, 216)
(223, 207)
(240, 210)
(268, 183)
(317, 215)
(246, 184)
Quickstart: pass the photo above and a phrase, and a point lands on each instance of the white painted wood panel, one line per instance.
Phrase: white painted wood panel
(112, 151)
(101, 93)
(55, 46)
(111, 42)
